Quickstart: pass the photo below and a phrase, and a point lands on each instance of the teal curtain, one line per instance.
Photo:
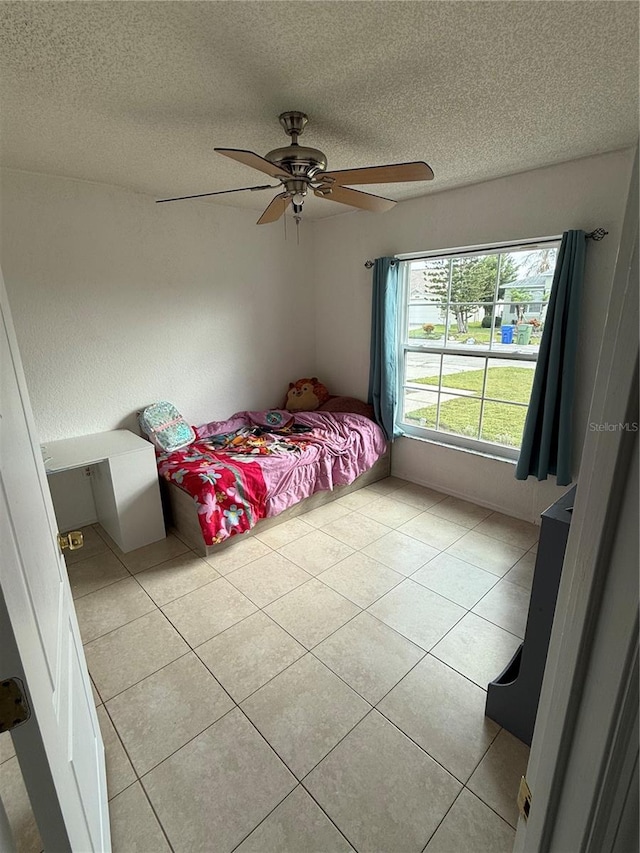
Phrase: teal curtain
(546, 443)
(382, 372)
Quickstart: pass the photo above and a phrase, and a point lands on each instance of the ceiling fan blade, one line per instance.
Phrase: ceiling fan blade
(391, 173)
(219, 192)
(355, 198)
(276, 209)
(248, 158)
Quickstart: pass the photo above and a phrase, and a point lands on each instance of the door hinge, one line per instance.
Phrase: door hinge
(524, 798)
(14, 708)
(71, 540)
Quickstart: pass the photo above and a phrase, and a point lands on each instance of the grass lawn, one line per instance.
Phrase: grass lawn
(503, 383)
(480, 335)
(501, 422)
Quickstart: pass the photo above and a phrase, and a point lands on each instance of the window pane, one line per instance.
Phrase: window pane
(463, 373)
(426, 324)
(459, 415)
(420, 403)
(422, 367)
(510, 380)
(465, 325)
(429, 280)
(420, 408)
(524, 300)
(514, 336)
(474, 279)
(478, 304)
(503, 423)
(530, 262)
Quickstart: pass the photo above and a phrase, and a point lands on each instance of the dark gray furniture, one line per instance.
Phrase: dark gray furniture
(512, 699)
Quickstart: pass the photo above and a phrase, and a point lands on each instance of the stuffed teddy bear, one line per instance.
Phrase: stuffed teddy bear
(305, 395)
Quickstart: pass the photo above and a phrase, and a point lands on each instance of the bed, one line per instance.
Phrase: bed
(242, 475)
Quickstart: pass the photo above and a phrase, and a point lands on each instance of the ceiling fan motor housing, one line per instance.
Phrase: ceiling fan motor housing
(298, 160)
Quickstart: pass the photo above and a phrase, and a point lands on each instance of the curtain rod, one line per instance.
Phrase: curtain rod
(597, 234)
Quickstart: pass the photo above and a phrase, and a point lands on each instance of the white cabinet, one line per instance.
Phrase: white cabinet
(124, 482)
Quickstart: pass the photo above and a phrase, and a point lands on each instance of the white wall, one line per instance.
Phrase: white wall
(119, 302)
(585, 193)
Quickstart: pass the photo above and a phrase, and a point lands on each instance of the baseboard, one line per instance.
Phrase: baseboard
(454, 493)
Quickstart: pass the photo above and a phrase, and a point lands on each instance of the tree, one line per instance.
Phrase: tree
(540, 261)
(473, 284)
(520, 298)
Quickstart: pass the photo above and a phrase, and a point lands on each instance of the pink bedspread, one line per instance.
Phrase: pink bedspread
(236, 477)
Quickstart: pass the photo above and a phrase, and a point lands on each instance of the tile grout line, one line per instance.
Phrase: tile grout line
(128, 622)
(140, 680)
(360, 550)
(137, 780)
(373, 709)
(336, 745)
(124, 624)
(427, 753)
(469, 610)
(436, 592)
(157, 816)
(391, 529)
(140, 779)
(261, 609)
(299, 785)
(306, 652)
(386, 592)
(132, 574)
(311, 651)
(442, 819)
(271, 748)
(123, 554)
(486, 618)
(298, 781)
(109, 583)
(467, 563)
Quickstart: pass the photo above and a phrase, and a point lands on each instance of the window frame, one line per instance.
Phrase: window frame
(460, 442)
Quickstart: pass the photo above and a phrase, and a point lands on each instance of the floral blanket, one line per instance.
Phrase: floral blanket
(238, 471)
(230, 495)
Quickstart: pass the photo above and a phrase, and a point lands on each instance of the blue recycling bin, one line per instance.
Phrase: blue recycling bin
(507, 334)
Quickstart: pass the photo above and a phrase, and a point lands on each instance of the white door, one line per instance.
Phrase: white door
(59, 748)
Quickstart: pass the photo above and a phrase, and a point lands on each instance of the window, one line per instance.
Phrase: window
(471, 322)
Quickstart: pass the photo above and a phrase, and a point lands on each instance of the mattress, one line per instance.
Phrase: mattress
(238, 471)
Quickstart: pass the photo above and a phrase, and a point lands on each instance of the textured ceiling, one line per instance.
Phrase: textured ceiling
(137, 94)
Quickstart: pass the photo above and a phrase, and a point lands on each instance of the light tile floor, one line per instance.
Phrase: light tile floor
(318, 688)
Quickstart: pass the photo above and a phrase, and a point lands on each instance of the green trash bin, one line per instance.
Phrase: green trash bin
(523, 336)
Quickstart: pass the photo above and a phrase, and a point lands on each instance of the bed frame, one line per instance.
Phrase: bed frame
(184, 514)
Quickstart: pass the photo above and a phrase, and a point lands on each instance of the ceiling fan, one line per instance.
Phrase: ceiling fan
(300, 169)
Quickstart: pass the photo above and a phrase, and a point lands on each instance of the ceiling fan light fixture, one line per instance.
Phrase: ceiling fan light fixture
(298, 198)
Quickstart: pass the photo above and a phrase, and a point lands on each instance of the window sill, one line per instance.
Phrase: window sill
(493, 456)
